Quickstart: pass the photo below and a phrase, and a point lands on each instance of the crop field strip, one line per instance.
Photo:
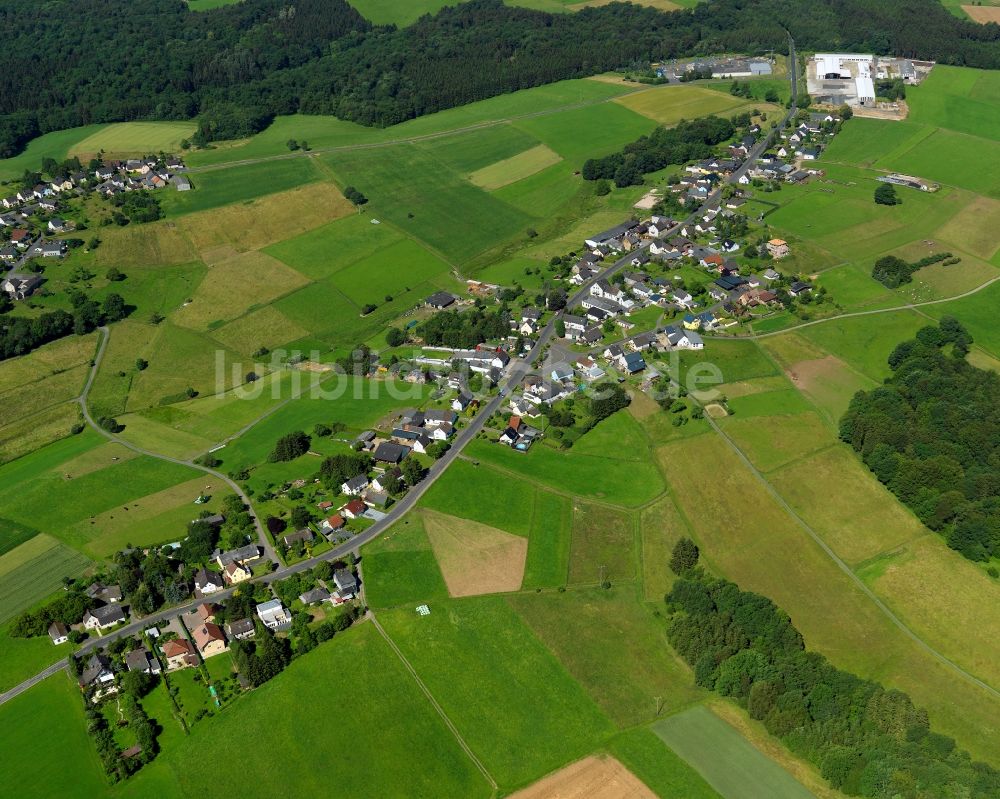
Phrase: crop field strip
(34, 570)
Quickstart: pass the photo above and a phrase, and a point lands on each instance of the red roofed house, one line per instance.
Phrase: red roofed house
(179, 654)
(333, 523)
(353, 509)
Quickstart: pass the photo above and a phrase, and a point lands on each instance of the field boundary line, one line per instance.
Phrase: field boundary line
(846, 569)
(434, 703)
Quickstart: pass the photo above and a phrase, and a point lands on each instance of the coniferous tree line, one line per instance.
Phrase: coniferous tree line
(237, 66)
(865, 739)
(931, 433)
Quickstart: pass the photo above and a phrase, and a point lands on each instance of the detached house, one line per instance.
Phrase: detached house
(179, 654)
(273, 614)
(235, 573)
(103, 617)
(209, 639)
(58, 632)
(207, 582)
(355, 486)
(777, 248)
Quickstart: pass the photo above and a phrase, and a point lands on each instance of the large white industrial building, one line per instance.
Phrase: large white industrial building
(842, 78)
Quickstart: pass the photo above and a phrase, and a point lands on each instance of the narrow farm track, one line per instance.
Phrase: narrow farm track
(896, 308)
(434, 703)
(858, 582)
(262, 538)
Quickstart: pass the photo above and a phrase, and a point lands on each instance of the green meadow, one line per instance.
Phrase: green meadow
(646, 755)
(325, 132)
(727, 761)
(370, 694)
(509, 509)
(400, 567)
(592, 476)
(226, 186)
(477, 656)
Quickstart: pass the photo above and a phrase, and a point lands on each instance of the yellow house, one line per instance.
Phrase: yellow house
(691, 322)
(236, 573)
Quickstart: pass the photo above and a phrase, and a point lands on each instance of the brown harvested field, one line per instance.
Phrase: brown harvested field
(232, 287)
(158, 244)
(983, 14)
(255, 224)
(600, 777)
(475, 558)
(870, 520)
(745, 535)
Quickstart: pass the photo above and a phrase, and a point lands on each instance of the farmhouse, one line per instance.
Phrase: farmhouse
(19, 287)
(389, 452)
(612, 236)
(243, 555)
(440, 300)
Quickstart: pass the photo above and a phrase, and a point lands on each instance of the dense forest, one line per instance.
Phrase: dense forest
(932, 435)
(237, 66)
(866, 740)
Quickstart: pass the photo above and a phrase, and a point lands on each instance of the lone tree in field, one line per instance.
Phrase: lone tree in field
(885, 194)
(684, 557)
(290, 446)
(355, 196)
